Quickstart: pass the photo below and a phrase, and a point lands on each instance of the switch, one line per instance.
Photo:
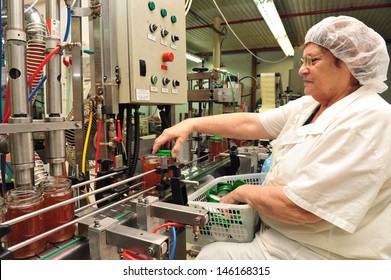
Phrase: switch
(153, 27)
(143, 68)
(164, 32)
(151, 5)
(176, 83)
(165, 81)
(154, 79)
(173, 19)
(168, 57)
(163, 12)
(174, 38)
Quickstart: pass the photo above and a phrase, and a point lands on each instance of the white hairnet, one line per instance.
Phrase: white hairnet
(362, 49)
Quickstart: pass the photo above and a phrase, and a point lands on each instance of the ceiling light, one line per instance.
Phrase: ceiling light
(193, 57)
(273, 21)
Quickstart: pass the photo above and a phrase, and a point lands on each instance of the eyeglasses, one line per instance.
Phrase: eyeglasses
(308, 60)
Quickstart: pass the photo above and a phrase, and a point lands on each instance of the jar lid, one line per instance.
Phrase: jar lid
(238, 183)
(164, 153)
(216, 138)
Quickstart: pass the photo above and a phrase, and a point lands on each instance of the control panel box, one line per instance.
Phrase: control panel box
(151, 47)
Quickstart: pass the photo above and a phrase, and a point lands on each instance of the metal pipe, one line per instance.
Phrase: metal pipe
(95, 180)
(22, 160)
(104, 199)
(217, 44)
(54, 140)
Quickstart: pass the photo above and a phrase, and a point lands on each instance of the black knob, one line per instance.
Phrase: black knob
(174, 38)
(165, 81)
(176, 83)
(153, 27)
(164, 33)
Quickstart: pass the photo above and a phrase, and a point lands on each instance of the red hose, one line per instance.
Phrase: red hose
(7, 112)
(98, 145)
(132, 256)
(47, 58)
(168, 225)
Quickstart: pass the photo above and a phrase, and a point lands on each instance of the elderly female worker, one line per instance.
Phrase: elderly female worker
(328, 192)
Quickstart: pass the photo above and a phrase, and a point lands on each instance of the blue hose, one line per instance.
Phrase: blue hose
(68, 27)
(34, 92)
(172, 252)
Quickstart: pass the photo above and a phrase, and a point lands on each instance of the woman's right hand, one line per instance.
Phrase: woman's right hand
(178, 133)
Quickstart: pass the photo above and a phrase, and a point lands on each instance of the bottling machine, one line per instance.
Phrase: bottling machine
(120, 208)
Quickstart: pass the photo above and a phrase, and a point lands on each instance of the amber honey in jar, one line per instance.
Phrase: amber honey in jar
(217, 145)
(19, 202)
(150, 162)
(166, 159)
(56, 190)
(2, 210)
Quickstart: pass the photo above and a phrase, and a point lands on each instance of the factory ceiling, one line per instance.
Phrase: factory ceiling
(297, 17)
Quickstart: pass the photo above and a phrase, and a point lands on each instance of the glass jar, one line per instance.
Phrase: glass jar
(20, 202)
(150, 162)
(217, 145)
(2, 210)
(56, 190)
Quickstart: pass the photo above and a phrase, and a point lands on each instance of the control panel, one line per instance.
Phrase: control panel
(151, 47)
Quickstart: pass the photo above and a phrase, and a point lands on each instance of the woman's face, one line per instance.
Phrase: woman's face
(326, 79)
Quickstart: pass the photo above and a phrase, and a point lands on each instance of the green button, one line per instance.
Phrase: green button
(154, 79)
(151, 5)
(163, 12)
(173, 19)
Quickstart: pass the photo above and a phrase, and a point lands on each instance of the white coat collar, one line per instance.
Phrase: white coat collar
(331, 114)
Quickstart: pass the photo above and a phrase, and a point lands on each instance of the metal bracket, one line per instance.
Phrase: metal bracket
(179, 213)
(139, 241)
(86, 11)
(36, 126)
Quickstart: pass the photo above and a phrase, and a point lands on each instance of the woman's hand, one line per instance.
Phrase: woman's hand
(230, 198)
(178, 133)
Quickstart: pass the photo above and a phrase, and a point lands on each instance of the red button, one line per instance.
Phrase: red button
(168, 57)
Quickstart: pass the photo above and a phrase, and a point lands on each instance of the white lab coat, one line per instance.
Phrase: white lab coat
(338, 168)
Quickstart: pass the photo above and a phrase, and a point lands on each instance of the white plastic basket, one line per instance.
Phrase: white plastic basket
(227, 222)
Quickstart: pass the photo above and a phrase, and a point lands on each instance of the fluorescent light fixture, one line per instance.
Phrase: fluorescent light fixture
(273, 21)
(193, 57)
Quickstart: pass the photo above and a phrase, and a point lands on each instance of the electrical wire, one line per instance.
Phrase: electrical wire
(31, 6)
(84, 156)
(252, 90)
(188, 6)
(240, 41)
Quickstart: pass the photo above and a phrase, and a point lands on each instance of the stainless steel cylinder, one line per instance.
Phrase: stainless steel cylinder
(17, 74)
(21, 144)
(54, 140)
(22, 154)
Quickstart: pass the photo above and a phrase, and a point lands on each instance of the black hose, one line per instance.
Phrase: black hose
(129, 137)
(136, 147)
